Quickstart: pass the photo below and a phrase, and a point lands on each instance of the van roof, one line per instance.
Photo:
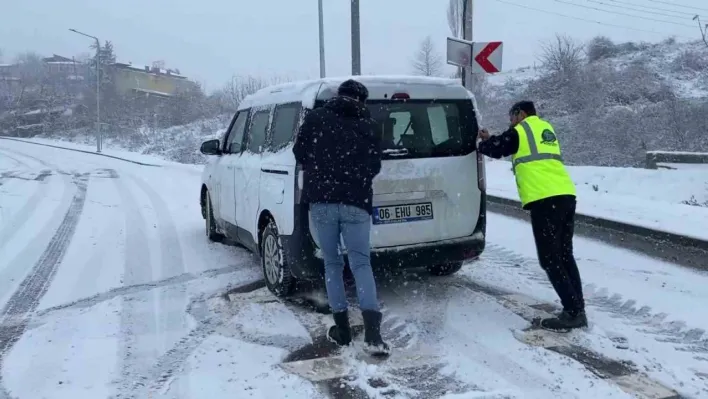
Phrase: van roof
(380, 87)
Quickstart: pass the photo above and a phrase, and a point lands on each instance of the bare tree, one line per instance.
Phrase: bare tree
(427, 61)
(562, 55)
(230, 96)
(454, 17)
(32, 76)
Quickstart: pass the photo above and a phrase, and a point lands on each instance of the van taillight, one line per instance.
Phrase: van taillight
(400, 96)
(299, 177)
(481, 175)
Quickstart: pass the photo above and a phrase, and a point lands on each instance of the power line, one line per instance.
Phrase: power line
(590, 20)
(662, 13)
(672, 3)
(686, 13)
(624, 14)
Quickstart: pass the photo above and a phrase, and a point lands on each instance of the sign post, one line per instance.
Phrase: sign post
(481, 57)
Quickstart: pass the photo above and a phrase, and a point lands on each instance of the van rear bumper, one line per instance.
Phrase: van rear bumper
(300, 250)
(432, 253)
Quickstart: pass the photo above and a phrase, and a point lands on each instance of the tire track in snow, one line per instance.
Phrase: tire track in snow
(435, 295)
(683, 337)
(135, 327)
(27, 297)
(17, 221)
(25, 213)
(171, 323)
(19, 162)
(19, 263)
(157, 379)
(22, 154)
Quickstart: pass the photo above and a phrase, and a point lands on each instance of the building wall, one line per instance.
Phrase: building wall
(127, 80)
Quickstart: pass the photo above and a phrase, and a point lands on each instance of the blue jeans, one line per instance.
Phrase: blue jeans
(354, 224)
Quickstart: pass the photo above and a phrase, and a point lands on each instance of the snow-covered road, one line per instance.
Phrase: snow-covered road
(109, 288)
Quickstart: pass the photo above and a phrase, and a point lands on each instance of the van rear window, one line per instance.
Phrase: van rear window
(425, 128)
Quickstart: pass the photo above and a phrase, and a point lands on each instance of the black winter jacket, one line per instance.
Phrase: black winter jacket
(340, 154)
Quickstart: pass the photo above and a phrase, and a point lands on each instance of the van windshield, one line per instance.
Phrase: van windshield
(424, 128)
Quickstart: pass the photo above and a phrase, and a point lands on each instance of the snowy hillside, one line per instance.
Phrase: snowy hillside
(681, 65)
(611, 102)
(177, 143)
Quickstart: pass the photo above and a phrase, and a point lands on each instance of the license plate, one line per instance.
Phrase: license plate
(403, 213)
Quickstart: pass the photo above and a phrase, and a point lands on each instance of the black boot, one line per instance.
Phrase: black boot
(373, 343)
(565, 321)
(340, 333)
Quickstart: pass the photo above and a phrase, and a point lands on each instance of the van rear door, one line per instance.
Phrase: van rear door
(429, 188)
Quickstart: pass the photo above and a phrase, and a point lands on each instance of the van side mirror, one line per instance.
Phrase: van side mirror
(211, 147)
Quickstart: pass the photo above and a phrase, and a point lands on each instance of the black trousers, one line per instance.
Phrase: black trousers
(552, 220)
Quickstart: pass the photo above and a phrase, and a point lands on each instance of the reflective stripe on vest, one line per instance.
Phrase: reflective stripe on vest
(533, 149)
(547, 177)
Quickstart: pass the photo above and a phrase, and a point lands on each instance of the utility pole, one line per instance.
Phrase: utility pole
(99, 138)
(356, 39)
(322, 44)
(467, 20)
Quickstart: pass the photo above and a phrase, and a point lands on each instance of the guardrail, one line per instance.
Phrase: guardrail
(78, 150)
(654, 159)
(674, 248)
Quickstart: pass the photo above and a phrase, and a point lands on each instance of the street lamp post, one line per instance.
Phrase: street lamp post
(99, 138)
(322, 45)
(356, 40)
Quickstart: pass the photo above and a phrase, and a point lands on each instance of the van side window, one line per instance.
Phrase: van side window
(285, 121)
(234, 139)
(257, 131)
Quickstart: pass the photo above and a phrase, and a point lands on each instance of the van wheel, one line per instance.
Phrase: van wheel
(445, 269)
(278, 277)
(210, 224)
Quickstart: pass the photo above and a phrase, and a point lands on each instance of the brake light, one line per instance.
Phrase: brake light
(481, 173)
(299, 182)
(400, 96)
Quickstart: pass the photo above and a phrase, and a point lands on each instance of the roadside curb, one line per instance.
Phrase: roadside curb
(78, 150)
(675, 248)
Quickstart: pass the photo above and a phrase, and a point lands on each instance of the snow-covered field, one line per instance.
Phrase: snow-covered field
(111, 289)
(642, 197)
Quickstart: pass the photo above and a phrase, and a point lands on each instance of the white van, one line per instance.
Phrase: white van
(429, 199)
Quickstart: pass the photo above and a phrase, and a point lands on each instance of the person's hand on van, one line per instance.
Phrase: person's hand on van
(483, 134)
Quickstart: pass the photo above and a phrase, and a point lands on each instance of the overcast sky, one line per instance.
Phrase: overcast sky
(211, 40)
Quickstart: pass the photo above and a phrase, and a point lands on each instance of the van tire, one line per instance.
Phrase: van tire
(276, 271)
(210, 223)
(445, 269)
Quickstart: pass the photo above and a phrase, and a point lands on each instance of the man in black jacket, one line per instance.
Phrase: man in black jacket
(340, 155)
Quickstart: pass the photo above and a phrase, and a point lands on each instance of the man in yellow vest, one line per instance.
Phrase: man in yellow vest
(547, 191)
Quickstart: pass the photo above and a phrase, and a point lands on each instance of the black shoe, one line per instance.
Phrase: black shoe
(373, 343)
(565, 321)
(340, 333)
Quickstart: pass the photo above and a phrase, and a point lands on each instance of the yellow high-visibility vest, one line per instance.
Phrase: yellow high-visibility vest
(537, 164)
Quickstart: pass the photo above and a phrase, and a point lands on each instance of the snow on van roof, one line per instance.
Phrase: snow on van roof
(306, 91)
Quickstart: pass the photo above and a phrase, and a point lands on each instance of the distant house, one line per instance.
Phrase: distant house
(66, 67)
(143, 80)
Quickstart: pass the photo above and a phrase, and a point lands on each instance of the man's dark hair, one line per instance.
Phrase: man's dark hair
(352, 88)
(525, 105)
